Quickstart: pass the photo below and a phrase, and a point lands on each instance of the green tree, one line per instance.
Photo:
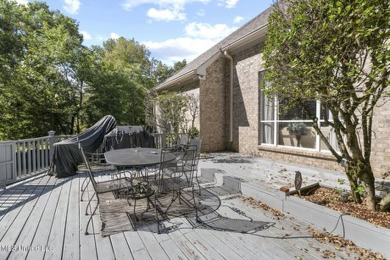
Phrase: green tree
(167, 111)
(122, 76)
(162, 71)
(338, 52)
(38, 50)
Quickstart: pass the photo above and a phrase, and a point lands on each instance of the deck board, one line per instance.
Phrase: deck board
(47, 213)
(29, 230)
(56, 237)
(71, 248)
(88, 249)
(136, 245)
(42, 233)
(120, 246)
(21, 216)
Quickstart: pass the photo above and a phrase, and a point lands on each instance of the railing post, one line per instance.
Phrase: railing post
(51, 143)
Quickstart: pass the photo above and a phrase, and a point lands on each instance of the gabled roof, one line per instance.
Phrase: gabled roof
(255, 28)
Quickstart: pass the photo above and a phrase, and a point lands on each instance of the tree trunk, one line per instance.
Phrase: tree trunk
(360, 169)
(353, 184)
(369, 181)
(385, 203)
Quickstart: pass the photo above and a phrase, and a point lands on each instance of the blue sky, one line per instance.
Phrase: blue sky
(172, 30)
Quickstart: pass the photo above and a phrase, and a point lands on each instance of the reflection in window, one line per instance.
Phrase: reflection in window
(292, 126)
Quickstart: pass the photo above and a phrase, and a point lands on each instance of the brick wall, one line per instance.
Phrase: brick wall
(380, 157)
(246, 121)
(212, 107)
(214, 124)
(246, 100)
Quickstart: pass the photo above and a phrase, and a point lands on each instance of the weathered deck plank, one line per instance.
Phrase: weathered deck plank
(88, 249)
(45, 225)
(20, 221)
(136, 245)
(47, 214)
(120, 246)
(154, 248)
(71, 248)
(186, 246)
(56, 237)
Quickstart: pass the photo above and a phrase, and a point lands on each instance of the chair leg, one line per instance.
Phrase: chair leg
(90, 217)
(83, 189)
(89, 203)
(157, 218)
(195, 204)
(135, 203)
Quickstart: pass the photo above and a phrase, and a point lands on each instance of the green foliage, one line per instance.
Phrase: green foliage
(170, 114)
(50, 81)
(163, 71)
(122, 77)
(341, 181)
(38, 50)
(338, 52)
(193, 132)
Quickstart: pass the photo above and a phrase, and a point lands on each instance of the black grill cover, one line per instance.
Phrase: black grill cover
(67, 157)
(128, 137)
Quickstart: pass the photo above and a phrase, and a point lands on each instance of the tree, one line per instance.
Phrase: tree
(121, 78)
(337, 52)
(163, 71)
(38, 49)
(167, 111)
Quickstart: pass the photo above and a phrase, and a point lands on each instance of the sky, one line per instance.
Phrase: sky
(172, 30)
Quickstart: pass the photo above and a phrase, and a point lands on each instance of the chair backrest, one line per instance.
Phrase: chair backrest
(190, 154)
(198, 143)
(88, 167)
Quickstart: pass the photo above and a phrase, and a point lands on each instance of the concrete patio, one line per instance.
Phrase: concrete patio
(43, 218)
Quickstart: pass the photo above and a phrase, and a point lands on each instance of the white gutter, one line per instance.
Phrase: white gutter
(187, 76)
(259, 32)
(231, 96)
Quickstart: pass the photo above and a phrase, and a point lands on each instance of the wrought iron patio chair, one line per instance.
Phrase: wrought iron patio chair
(198, 143)
(98, 165)
(112, 185)
(175, 176)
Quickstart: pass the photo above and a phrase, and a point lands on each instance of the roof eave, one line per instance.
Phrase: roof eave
(254, 35)
(185, 77)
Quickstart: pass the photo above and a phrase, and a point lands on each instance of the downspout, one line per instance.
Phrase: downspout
(231, 96)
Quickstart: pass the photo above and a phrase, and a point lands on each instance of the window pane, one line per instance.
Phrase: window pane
(329, 134)
(297, 134)
(267, 133)
(302, 113)
(267, 109)
(325, 113)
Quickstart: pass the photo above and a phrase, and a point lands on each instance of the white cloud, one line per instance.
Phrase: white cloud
(72, 6)
(207, 31)
(86, 35)
(166, 14)
(199, 38)
(168, 10)
(130, 4)
(228, 3)
(173, 50)
(231, 3)
(114, 36)
(238, 19)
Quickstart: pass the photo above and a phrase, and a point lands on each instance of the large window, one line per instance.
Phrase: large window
(293, 126)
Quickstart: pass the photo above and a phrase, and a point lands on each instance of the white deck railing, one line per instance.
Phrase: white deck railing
(21, 159)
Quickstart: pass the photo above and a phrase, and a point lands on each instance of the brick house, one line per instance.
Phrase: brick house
(235, 116)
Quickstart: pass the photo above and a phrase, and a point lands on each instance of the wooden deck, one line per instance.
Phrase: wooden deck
(43, 218)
